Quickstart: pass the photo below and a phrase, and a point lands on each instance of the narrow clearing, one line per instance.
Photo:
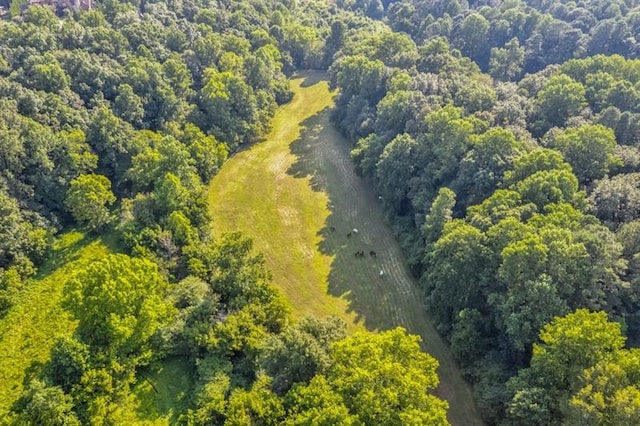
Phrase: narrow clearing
(297, 195)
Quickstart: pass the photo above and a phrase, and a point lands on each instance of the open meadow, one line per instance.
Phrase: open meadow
(297, 195)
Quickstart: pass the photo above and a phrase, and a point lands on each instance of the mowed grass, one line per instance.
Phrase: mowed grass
(255, 193)
(32, 325)
(296, 194)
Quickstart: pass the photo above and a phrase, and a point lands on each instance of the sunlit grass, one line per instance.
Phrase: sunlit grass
(37, 319)
(297, 196)
(282, 213)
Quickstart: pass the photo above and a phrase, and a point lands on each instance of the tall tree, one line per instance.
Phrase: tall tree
(384, 378)
(87, 200)
(119, 303)
(562, 97)
(589, 149)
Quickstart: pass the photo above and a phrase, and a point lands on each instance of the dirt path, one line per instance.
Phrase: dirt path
(298, 196)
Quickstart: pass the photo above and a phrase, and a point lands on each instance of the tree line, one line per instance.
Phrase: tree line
(506, 156)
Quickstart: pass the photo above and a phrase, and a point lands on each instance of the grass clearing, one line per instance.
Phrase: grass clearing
(162, 391)
(254, 192)
(297, 195)
(32, 325)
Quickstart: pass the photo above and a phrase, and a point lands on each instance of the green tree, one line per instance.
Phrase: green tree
(111, 139)
(18, 237)
(119, 303)
(384, 378)
(492, 154)
(506, 63)
(562, 97)
(257, 406)
(87, 200)
(527, 306)
(471, 37)
(589, 149)
(300, 352)
(45, 405)
(49, 77)
(231, 107)
(69, 362)
(475, 96)
(395, 169)
(317, 404)
(457, 269)
(359, 76)
(440, 213)
(206, 151)
(616, 200)
(569, 345)
(128, 106)
(171, 194)
(550, 186)
(610, 393)
(535, 161)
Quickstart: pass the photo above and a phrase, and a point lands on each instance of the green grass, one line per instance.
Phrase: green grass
(255, 193)
(162, 391)
(37, 319)
(297, 195)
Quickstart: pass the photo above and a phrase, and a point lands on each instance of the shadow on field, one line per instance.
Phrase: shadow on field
(311, 77)
(64, 255)
(322, 155)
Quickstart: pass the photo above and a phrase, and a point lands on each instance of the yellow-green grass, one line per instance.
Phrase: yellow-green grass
(255, 193)
(296, 194)
(37, 319)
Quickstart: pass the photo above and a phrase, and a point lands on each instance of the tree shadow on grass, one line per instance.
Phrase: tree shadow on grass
(322, 155)
(70, 246)
(311, 77)
(164, 389)
(66, 252)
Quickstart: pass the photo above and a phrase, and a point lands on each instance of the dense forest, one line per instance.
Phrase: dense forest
(503, 141)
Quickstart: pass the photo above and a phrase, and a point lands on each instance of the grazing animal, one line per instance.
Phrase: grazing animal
(381, 273)
(333, 228)
(359, 253)
(355, 231)
(348, 234)
(373, 253)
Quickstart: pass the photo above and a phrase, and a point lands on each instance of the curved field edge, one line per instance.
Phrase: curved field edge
(297, 195)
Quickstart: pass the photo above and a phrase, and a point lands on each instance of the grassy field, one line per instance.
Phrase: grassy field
(32, 325)
(163, 390)
(297, 195)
